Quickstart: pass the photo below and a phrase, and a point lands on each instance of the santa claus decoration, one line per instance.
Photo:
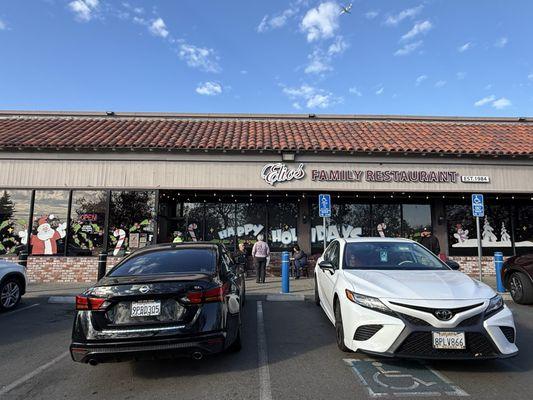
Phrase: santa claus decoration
(45, 241)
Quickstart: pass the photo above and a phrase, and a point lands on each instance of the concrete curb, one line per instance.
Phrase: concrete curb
(62, 300)
(285, 297)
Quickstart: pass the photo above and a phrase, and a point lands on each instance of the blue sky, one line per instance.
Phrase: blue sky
(432, 57)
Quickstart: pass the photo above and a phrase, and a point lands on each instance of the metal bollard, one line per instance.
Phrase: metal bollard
(102, 264)
(23, 259)
(498, 264)
(285, 272)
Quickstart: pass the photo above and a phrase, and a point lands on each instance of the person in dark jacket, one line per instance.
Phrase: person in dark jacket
(299, 259)
(429, 241)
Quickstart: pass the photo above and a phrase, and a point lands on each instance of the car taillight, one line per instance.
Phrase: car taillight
(89, 303)
(208, 296)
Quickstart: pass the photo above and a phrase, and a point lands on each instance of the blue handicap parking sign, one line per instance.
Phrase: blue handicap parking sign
(324, 205)
(478, 206)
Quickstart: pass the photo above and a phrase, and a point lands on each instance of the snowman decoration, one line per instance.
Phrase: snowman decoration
(460, 234)
(488, 232)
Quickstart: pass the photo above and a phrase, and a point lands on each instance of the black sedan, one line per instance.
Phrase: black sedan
(159, 302)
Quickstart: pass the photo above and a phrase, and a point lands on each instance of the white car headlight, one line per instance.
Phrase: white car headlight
(368, 302)
(495, 304)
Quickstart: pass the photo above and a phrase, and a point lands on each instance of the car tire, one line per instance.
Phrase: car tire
(339, 329)
(521, 288)
(10, 294)
(317, 296)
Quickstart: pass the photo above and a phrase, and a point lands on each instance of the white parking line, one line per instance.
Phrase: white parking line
(32, 374)
(265, 392)
(20, 309)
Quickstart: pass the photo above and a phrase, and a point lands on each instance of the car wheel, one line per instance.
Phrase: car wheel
(521, 288)
(9, 294)
(339, 329)
(317, 296)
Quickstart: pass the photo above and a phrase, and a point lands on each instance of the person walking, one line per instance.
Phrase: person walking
(299, 260)
(260, 252)
(429, 241)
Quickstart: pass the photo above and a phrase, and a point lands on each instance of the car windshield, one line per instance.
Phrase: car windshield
(168, 261)
(390, 256)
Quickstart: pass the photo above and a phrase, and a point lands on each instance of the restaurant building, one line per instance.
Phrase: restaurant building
(74, 185)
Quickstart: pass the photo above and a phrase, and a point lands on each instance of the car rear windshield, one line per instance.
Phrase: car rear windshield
(165, 262)
(390, 255)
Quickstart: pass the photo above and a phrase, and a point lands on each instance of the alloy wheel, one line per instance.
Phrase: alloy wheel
(516, 287)
(10, 295)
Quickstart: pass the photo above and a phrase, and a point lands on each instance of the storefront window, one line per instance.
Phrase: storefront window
(49, 222)
(14, 217)
(524, 229)
(191, 229)
(386, 220)
(131, 221)
(251, 221)
(87, 219)
(282, 222)
(220, 223)
(347, 221)
(356, 220)
(495, 230)
(415, 218)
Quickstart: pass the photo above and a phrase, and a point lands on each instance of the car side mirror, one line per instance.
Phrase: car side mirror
(327, 266)
(453, 265)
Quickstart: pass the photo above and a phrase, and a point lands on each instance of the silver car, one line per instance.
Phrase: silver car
(12, 284)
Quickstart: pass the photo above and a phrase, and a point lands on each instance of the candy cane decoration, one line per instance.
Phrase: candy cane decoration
(381, 229)
(191, 229)
(121, 234)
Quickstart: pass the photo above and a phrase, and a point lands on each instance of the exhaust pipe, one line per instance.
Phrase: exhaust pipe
(197, 355)
(93, 362)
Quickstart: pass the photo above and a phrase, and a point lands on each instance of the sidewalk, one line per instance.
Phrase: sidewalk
(272, 286)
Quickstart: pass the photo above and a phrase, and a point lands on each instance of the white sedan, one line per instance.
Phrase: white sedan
(393, 297)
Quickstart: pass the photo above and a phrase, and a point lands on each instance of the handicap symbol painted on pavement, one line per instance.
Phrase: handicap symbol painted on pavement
(398, 378)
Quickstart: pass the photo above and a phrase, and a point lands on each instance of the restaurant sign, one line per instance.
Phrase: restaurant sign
(280, 172)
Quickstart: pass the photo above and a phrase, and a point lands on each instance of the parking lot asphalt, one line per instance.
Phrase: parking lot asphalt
(288, 352)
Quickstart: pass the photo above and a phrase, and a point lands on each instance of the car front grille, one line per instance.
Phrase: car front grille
(365, 332)
(414, 320)
(420, 344)
(470, 321)
(509, 333)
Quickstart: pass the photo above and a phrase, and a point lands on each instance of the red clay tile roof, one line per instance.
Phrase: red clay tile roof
(60, 131)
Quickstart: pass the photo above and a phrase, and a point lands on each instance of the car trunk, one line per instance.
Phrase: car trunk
(147, 301)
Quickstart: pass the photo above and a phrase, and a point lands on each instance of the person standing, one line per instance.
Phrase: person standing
(429, 241)
(240, 257)
(260, 252)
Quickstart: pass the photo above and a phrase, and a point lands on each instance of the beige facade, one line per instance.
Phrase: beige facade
(243, 172)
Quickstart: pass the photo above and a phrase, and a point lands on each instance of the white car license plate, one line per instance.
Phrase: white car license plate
(145, 308)
(449, 340)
